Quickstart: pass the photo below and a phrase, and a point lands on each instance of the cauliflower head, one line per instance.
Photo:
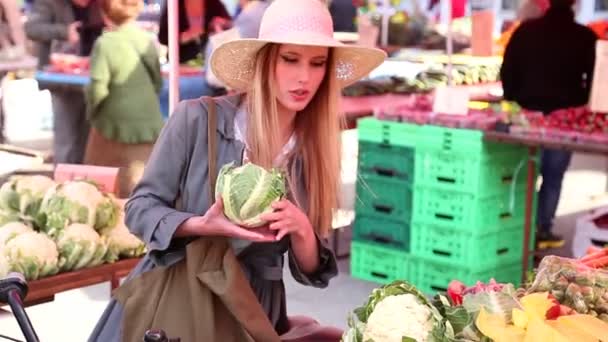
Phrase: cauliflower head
(77, 202)
(80, 246)
(121, 242)
(32, 254)
(10, 230)
(396, 317)
(23, 194)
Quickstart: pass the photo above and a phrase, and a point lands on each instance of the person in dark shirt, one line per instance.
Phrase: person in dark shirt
(189, 48)
(548, 65)
(343, 13)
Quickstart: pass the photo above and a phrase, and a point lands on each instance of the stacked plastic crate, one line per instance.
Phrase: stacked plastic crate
(383, 207)
(466, 209)
(469, 209)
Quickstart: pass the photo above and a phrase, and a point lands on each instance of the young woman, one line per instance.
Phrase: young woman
(287, 116)
(122, 98)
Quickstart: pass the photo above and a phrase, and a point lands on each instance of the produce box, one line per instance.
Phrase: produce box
(462, 142)
(431, 276)
(477, 251)
(387, 133)
(591, 230)
(383, 197)
(391, 233)
(480, 175)
(386, 160)
(467, 212)
(378, 263)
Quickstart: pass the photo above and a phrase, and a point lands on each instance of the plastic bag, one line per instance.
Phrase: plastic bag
(573, 284)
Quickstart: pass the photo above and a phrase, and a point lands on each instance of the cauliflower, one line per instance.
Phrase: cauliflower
(7, 216)
(32, 254)
(80, 246)
(77, 202)
(23, 194)
(10, 230)
(396, 317)
(121, 242)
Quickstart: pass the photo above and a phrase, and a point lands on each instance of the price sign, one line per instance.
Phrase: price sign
(599, 100)
(482, 42)
(105, 177)
(451, 101)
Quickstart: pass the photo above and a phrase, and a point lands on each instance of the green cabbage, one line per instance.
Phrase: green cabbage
(248, 192)
(80, 246)
(32, 254)
(77, 202)
(121, 242)
(23, 194)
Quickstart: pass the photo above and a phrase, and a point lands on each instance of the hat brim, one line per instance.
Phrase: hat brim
(233, 62)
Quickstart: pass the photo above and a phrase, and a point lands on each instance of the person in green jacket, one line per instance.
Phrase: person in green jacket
(123, 95)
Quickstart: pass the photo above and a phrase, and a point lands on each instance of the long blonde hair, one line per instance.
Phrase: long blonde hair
(317, 130)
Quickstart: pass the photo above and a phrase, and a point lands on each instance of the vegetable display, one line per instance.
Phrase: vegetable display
(565, 302)
(248, 191)
(46, 228)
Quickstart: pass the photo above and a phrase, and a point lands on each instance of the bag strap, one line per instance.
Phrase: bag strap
(211, 145)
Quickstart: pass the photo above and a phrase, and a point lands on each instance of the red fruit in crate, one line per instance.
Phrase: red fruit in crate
(456, 291)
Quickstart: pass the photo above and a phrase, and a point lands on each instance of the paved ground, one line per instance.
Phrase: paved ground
(73, 314)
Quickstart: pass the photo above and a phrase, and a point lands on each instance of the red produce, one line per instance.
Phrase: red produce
(456, 291)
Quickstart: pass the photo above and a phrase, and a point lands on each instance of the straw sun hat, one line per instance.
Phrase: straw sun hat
(299, 22)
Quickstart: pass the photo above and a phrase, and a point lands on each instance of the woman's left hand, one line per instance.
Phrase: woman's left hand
(288, 219)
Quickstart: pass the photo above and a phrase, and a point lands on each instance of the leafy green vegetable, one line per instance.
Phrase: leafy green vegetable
(248, 192)
(501, 303)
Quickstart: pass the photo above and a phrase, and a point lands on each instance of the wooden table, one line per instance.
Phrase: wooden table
(45, 289)
(534, 144)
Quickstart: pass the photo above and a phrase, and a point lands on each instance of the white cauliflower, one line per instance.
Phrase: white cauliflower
(10, 230)
(121, 242)
(23, 194)
(77, 202)
(396, 317)
(80, 246)
(32, 254)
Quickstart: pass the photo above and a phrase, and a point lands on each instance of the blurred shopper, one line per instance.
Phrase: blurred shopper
(548, 65)
(122, 98)
(12, 36)
(343, 13)
(68, 26)
(197, 19)
(247, 25)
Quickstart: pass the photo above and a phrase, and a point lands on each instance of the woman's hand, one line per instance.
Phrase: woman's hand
(288, 219)
(215, 223)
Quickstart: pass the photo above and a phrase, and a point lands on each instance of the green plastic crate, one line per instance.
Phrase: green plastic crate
(479, 175)
(378, 263)
(387, 160)
(432, 277)
(393, 233)
(383, 197)
(466, 212)
(459, 248)
(460, 141)
(387, 132)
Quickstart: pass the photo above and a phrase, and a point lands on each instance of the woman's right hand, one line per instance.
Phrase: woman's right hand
(215, 223)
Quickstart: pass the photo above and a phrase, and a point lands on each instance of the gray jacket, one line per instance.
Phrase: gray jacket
(48, 24)
(176, 176)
